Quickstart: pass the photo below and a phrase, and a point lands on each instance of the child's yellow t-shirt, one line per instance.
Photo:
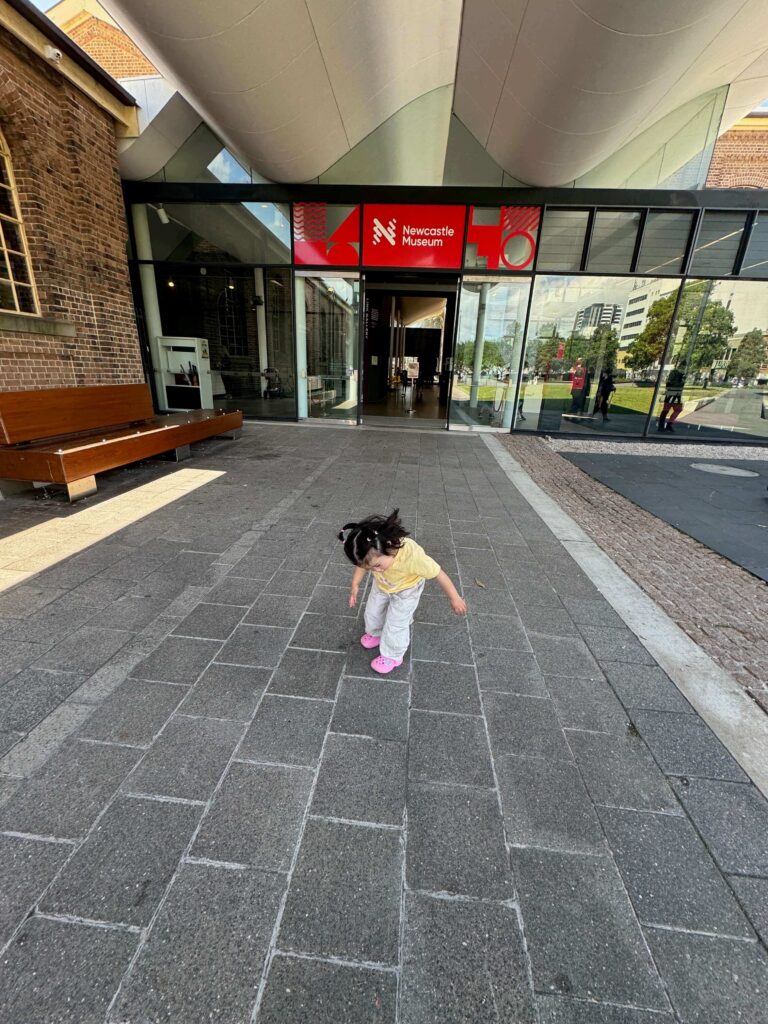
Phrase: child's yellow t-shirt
(411, 565)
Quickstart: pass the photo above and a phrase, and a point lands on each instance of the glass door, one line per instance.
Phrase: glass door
(489, 344)
(327, 329)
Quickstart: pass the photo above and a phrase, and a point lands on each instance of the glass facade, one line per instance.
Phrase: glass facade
(583, 319)
(487, 355)
(327, 310)
(714, 382)
(588, 366)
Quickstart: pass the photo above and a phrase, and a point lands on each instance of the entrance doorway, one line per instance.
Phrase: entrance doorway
(408, 328)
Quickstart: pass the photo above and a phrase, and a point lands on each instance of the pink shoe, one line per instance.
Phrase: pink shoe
(369, 642)
(384, 665)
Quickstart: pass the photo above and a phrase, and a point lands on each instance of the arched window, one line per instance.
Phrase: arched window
(17, 287)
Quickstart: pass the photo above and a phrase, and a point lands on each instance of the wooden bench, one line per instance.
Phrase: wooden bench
(68, 435)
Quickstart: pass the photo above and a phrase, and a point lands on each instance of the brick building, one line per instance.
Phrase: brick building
(89, 25)
(66, 309)
(740, 158)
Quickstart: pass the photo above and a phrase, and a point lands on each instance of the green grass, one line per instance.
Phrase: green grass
(627, 398)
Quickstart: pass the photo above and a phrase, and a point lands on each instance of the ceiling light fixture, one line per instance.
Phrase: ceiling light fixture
(162, 215)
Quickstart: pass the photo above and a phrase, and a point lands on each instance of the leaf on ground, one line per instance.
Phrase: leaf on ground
(479, 584)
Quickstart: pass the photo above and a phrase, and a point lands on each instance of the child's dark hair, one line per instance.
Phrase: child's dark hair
(376, 533)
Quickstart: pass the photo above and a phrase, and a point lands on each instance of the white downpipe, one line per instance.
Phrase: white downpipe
(302, 396)
(477, 365)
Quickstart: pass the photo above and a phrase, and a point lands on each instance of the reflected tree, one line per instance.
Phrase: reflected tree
(750, 356)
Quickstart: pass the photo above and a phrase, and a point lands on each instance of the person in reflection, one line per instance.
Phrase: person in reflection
(605, 388)
(400, 567)
(673, 400)
(578, 384)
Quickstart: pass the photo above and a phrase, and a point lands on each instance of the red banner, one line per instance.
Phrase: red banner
(400, 235)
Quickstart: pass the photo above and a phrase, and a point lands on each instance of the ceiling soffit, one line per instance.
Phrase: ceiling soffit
(293, 85)
(553, 87)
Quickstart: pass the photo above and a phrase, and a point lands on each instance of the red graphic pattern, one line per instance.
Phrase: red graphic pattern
(314, 246)
(511, 242)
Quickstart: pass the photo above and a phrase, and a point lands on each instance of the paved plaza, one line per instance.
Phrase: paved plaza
(212, 810)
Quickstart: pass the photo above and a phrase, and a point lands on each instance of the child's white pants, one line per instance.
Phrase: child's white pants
(389, 616)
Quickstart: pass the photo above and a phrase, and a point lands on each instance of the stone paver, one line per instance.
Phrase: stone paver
(212, 808)
(721, 606)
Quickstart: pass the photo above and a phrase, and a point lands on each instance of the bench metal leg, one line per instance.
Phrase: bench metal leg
(179, 454)
(234, 434)
(81, 488)
(8, 488)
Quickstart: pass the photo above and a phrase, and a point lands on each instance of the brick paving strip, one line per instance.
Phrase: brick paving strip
(210, 809)
(721, 606)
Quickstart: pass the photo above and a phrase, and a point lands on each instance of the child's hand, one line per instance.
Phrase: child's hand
(353, 597)
(459, 605)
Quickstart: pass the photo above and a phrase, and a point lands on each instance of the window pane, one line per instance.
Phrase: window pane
(488, 348)
(12, 235)
(19, 270)
(233, 309)
(227, 168)
(7, 300)
(221, 233)
(717, 244)
(665, 240)
(613, 241)
(715, 379)
(328, 342)
(281, 344)
(6, 202)
(756, 260)
(583, 367)
(26, 298)
(5, 178)
(562, 239)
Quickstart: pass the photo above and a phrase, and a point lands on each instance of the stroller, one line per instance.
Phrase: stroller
(274, 388)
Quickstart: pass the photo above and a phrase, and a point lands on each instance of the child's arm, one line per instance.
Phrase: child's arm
(458, 603)
(357, 578)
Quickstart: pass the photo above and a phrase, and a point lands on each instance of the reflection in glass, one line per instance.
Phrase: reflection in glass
(584, 330)
(665, 241)
(327, 311)
(488, 348)
(562, 239)
(613, 241)
(756, 259)
(718, 243)
(220, 232)
(715, 379)
(245, 316)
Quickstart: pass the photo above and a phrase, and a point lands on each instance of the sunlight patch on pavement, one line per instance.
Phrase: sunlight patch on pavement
(24, 554)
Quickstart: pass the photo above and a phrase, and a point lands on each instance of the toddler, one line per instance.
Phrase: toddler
(400, 569)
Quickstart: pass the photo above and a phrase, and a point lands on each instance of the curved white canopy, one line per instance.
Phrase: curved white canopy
(548, 88)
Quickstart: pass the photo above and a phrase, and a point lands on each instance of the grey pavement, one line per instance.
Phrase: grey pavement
(212, 810)
(726, 512)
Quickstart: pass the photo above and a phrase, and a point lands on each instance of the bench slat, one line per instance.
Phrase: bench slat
(33, 415)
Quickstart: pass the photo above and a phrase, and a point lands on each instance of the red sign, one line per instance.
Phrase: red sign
(399, 235)
(510, 240)
(326, 235)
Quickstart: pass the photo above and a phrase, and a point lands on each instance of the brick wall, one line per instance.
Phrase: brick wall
(64, 157)
(111, 48)
(740, 158)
